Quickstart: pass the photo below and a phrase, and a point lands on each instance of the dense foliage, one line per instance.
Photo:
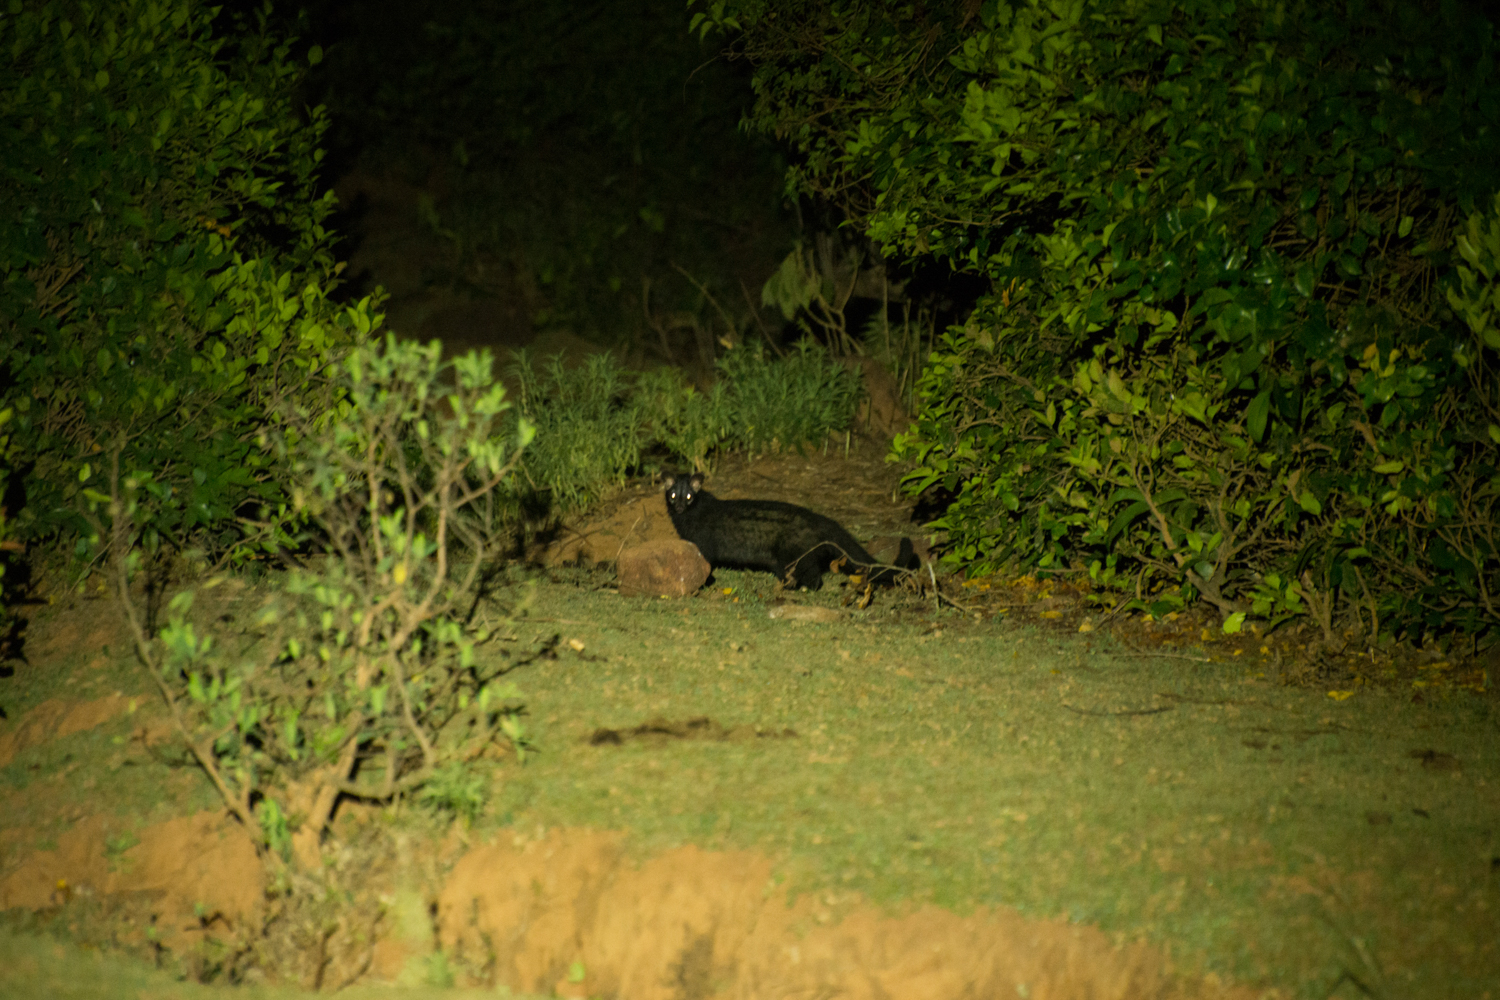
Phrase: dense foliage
(164, 270)
(1227, 351)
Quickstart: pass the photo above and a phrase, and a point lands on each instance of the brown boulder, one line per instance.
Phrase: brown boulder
(667, 567)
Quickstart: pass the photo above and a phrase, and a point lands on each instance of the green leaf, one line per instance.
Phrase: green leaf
(1404, 229)
(289, 735)
(1305, 281)
(1309, 503)
(1255, 415)
(1388, 468)
(1234, 623)
(85, 472)
(1122, 520)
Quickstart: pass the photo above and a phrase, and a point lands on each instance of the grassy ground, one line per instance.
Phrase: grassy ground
(904, 755)
(38, 968)
(1275, 835)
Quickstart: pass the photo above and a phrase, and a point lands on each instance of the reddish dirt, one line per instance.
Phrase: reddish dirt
(687, 924)
(858, 492)
(692, 924)
(54, 719)
(188, 877)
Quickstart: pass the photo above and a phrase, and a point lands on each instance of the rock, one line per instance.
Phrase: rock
(668, 567)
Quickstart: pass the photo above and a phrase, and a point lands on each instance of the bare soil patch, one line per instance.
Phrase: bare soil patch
(56, 718)
(695, 924)
(180, 881)
(859, 489)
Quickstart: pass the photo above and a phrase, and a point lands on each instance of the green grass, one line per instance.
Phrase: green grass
(1273, 835)
(34, 967)
(1266, 833)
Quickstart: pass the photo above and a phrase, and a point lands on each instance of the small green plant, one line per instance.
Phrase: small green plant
(813, 292)
(457, 790)
(588, 429)
(690, 423)
(115, 847)
(786, 403)
(364, 682)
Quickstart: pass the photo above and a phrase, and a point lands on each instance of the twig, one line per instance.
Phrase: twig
(627, 537)
(1165, 656)
(1125, 711)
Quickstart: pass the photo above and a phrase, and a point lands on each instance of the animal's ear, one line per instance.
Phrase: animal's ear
(663, 477)
(696, 483)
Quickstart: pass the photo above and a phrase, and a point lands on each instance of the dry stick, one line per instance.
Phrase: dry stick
(327, 796)
(143, 654)
(627, 537)
(755, 314)
(660, 328)
(1126, 711)
(1165, 656)
(728, 323)
(1116, 609)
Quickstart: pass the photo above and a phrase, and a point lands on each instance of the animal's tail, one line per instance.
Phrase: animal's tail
(906, 559)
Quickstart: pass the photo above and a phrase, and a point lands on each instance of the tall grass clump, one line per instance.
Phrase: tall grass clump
(597, 425)
(589, 428)
(789, 402)
(688, 422)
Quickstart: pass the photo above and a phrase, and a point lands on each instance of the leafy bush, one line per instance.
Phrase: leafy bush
(9, 545)
(1216, 358)
(365, 682)
(165, 273)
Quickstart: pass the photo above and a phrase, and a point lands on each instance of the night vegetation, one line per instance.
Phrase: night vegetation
(181, 388)
(1237, 342)
(1196, 302)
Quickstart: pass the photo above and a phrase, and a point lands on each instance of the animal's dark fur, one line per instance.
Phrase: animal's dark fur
(782, 538)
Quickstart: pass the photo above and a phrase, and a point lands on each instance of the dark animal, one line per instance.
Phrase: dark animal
(782, 538)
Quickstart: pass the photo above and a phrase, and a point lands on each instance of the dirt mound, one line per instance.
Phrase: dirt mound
(692, 924)
(54, 719)
(187, 877)
(858, 490)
